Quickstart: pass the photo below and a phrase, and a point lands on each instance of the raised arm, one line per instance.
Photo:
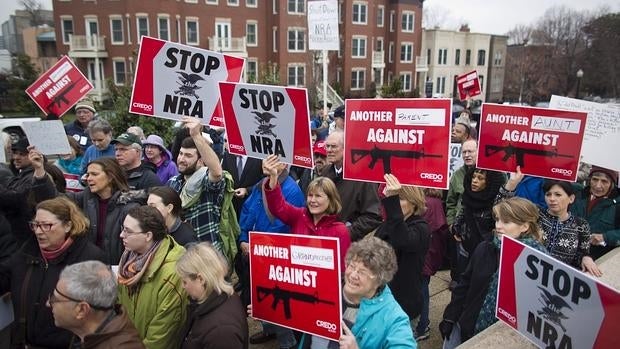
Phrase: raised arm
(207, 155)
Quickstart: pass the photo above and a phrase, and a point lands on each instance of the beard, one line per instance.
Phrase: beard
(189, 170)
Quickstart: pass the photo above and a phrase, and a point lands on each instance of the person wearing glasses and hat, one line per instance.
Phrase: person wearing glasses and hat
(128, 153)
(84, 113)
(58, 239)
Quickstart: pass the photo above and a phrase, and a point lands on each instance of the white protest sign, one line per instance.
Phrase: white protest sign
(48, 136)
(602, 134)
(456, 160)
(323, 25)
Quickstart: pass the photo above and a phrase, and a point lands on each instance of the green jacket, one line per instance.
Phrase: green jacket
(158, 307)
(455, 192)
(604, 218)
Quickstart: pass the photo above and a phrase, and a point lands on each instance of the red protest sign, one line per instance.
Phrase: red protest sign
(263, 120)
(295, 282)
(174, 80)
(59, 88)
(409, 138)
(549, 302)
(468, 85)
(544, 142)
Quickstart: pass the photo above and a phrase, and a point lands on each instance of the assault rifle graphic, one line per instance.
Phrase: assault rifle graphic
(386, 155)
(61, 98)
(280, 294)
(519, 153)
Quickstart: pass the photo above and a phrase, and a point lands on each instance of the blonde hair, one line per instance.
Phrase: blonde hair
(205, 261)
(415, 196)
(327, 186)
(520, 211)
(67, 212)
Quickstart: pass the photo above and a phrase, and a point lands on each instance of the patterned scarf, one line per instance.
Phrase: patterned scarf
(49, 255)
(132, 266)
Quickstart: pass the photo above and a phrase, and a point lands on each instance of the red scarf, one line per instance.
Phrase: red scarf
(53, 254)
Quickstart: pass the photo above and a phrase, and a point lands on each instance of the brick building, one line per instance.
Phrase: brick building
(380, 39)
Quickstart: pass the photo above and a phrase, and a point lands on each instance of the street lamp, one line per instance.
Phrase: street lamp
(579, 76)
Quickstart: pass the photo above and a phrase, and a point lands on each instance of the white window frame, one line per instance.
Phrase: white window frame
(250, 61)
(232, 3)
(356, 72)
(138, 18)
(296, 66)
(296, 11)
(406, 44)
(392, 18)
(359, 38)
(191, 1)
(441, 85)
(391, 52)
(408, 15)
(167, 18)
(442, 56)
(380, 44)
(296, 30)
(406, 85)
(274, 6)
(212, 2)
(114, 71)
(249, 23)
(193, 20)
(359, 21)
(62, 28)
(339, 75)
(274, 38)
(380, 16)
(120, 19)
(253, 5)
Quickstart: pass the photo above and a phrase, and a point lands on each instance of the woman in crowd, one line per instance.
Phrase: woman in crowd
(216, 318)
(320, 217)
(71, 162)
(156, 153)
(566, 236)
(100, 132)
(408, 233)
(58, 239)
(105, 201)
(472, 307)
(167, 201)
(149, 287)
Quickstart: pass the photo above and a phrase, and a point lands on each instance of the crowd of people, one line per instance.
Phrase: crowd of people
(151, 250)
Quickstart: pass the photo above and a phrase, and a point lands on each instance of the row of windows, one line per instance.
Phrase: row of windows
(248, 3)
(442, 57)
(360, 16)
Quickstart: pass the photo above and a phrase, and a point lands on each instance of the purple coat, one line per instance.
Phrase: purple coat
(167, 168)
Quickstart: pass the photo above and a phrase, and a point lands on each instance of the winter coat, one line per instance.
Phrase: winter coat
(158, 307)
(119, 333)
(143, 177)
(437, 248)
(455, 192)
(603, 217)
(79, 133)
(31, 279)
(301, 221)
(17, 204)
(182, 232)
(92, 153)
(218, 323)
(410, 239)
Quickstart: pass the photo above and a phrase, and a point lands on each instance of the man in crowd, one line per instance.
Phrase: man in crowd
(469, 153)
(85, 303)
(460, 132)
(128, 153)
(245, 172)
(84, 113)
(320, 161)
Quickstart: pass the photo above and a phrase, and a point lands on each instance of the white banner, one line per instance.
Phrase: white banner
(323, 25)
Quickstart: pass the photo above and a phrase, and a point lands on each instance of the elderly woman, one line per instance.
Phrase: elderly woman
(472, 307)
(167, 201)
(100, 132)
(156, 153)
(59, 239)
(216, 316)
(149, 287)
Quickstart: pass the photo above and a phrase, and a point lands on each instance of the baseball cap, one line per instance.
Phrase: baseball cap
(20, 145)
(339, 112)
(319, 148)
(127, 139)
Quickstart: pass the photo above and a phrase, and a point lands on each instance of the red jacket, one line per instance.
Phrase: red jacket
(302, 223)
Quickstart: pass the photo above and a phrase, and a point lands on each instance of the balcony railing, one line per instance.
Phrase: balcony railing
(378, 59)
(420, 63)
(225, 45)
(86, 43)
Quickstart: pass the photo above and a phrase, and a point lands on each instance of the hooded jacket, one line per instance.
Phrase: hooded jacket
(166, 168)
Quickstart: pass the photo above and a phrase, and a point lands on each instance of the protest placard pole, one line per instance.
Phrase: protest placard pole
(325, 83)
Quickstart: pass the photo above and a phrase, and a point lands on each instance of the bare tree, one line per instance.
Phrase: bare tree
(435, 17)
(33, 7)
(520, 35)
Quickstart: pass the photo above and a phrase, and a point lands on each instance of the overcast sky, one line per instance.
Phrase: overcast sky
(483, 16)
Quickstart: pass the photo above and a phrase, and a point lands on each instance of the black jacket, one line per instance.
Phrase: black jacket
(31, 279)
(143, 177)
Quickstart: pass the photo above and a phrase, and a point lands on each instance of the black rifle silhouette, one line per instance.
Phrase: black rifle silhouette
(385, 155)
(285, 296)
(519, 153)
(58, 100)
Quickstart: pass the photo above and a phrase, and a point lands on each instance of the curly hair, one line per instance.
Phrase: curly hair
(376, 255)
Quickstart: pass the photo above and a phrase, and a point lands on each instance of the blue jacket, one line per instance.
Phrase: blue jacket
(253, 216)
(79, 133)
(531, 188)
(92, 153)
(381, 323)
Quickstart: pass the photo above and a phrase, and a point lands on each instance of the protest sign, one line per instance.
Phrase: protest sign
(59, 88)
(264, 119)
(174, 80)
(602, 132)
(468, 85)
(409, 138)
(48, 137)
(544, 142)
(456, 159)
(73, 183)
(552, 304)
(295, 282)
(323, 25)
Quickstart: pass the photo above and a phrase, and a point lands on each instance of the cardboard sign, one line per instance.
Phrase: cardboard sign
(602, 130)
(456, 159)
(48, 136)
(468, 85)
(323, 25)
(544, 142)
(409, 138)
(174, 80)
(263, 120)
(59, 88)
(295, 282)
(552, 304)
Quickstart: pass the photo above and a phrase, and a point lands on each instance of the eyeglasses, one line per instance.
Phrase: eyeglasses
(52, 299)
(129, 232)
(351, 268)
(45, 227)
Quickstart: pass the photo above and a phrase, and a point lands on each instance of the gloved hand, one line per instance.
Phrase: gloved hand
(445, 328)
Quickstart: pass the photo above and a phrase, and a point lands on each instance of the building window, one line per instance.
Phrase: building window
(497, 60)
(250, 33)
(405, 81)
(191, 31)
(481, 79)
(391, 52)
(468, 57)
(274, 38)
(211, 2)
(296, 75)
(297, 6)
(67, 29)
(359, 13)
(358, 47)
(407, 22)
(481, 57)
(442, 56)
(379, 47)
(340, 12)
(116, 29)
(457, 57)
(251, 71)
(441, 85)
(406, 52)
(428, 56)
(392, 14)
(143, 27)
(163, 25)
(251, 3)
(358, 79)
(119, 72)
(296, 40)
(233, 2)
(380, 15)
(339, 75)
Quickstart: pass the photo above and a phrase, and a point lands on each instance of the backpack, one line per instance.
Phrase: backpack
(229, 226)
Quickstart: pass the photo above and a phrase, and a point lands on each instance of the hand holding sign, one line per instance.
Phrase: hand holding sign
(347, 339)
(270, 168)
(514, 180)
(193, 125)
(392, 185)
(37, 160)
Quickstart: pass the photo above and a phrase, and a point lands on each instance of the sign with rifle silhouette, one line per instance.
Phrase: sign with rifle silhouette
(468, 85)
(543, 142)
(295, 282)
(553, 304)
(262, 120)
(59, 88)
(174, 80)
(409, 138)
